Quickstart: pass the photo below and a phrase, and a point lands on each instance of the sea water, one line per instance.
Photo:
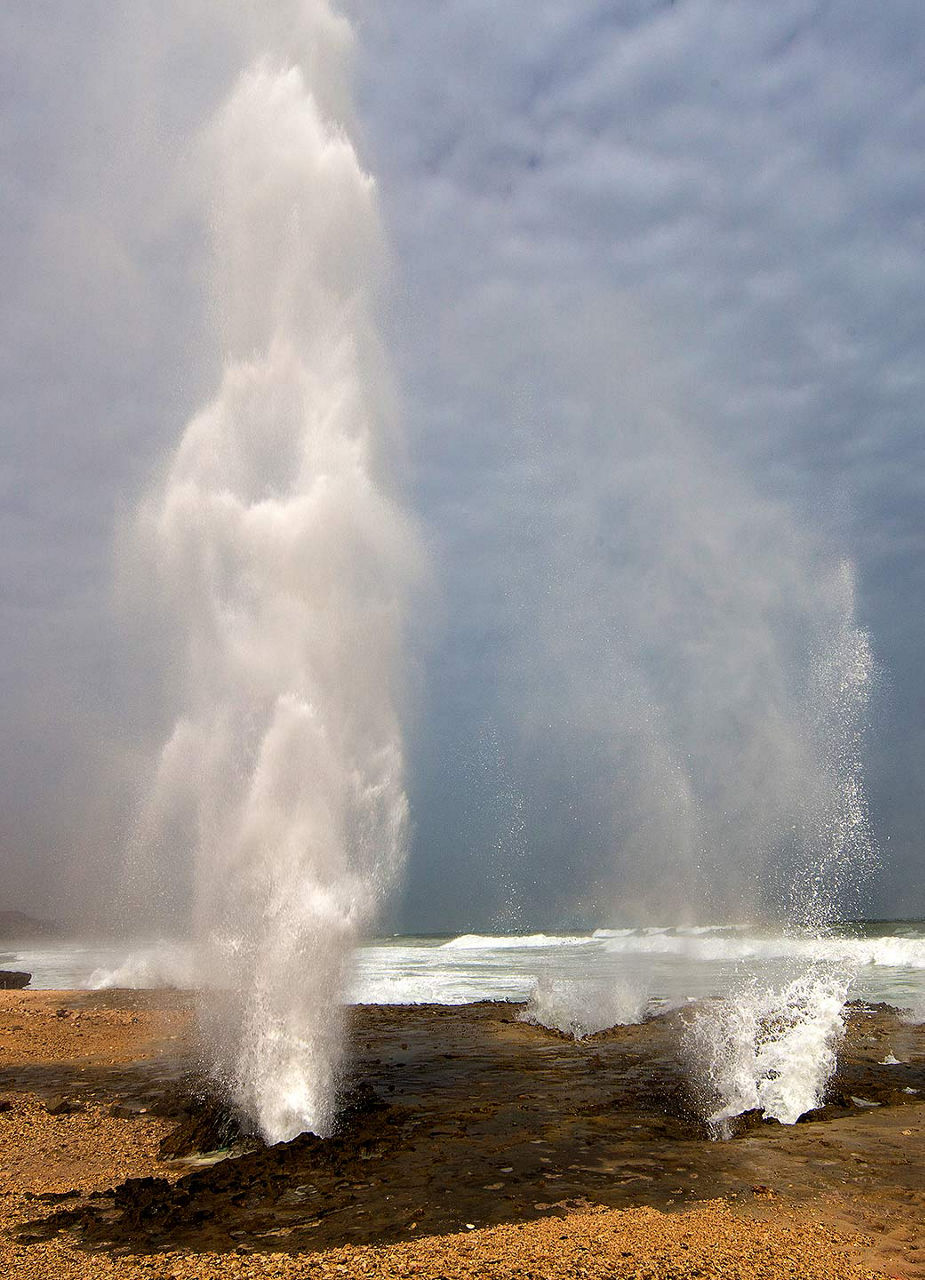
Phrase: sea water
(653, 968)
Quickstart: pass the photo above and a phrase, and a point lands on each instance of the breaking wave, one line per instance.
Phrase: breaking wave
(856, 952)
(485, 942)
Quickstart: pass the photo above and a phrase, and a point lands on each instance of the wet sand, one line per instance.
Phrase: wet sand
(471, 1144)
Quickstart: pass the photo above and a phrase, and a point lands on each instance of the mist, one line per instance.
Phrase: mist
(675, 676)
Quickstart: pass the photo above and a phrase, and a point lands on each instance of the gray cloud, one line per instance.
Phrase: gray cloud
(613, 227)
(750, 180)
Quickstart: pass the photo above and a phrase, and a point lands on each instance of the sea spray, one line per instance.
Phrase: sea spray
(770, 1048)
(283, 562)
(580, 1007)
(496, 819)
(837, 851)
(773, 1046)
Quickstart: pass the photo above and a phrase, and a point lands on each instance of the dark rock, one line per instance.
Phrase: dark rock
(14, 979)
(359, 1102)
(831, 1111)
(614, 1122)
(209, 1125)
(873, 1007)
(897, 1098)
(819, 1114)
(748, 1122)
(146, 1201)
(62, 1106)
(837, 1098)
(5, 1104)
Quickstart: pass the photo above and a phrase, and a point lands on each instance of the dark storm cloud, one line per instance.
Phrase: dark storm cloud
(704, 214)
(748, 182)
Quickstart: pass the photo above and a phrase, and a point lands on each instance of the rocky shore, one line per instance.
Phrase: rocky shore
(471, 1144)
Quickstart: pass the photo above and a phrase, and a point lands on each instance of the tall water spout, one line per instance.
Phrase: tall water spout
(283, 561)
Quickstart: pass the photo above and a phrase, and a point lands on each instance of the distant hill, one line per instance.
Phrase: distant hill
(16, 926)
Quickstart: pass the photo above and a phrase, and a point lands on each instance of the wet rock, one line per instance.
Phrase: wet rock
(898, 1098)
(748, 1122)
(208, 1125)
(14, 979)
(496, 1123)
(837, 1098)
(147, 1203)
(359, 1103)
(867, 1008)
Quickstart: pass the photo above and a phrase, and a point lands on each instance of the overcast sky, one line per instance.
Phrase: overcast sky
(656, 310)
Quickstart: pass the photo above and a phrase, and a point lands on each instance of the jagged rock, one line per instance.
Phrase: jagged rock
(747, 1122)
(209, 1125)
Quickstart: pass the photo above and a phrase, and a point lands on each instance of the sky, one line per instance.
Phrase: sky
(655, 312)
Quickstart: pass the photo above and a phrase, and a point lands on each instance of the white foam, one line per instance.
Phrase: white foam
(696, 930)
(488, 942)
(892, 952)
(439, 988)
(771, 1049)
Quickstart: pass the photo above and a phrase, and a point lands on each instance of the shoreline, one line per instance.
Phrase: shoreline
(467, 1131)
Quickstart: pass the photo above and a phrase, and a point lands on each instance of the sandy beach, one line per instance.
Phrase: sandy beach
(471, 1144)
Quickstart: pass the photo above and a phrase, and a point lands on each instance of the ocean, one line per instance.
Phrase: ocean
(580, 982)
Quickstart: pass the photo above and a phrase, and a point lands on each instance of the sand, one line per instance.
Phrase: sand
(475, 1146)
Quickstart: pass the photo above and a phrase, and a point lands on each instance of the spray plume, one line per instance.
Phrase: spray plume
(283, 565)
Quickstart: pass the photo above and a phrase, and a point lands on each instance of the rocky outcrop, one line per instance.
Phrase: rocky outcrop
(14, 979)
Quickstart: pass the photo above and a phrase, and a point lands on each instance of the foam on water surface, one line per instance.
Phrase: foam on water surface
(887, 951)
(423, 970)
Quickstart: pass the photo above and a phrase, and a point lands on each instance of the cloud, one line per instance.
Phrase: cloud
(618, 232)
(744, 184)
